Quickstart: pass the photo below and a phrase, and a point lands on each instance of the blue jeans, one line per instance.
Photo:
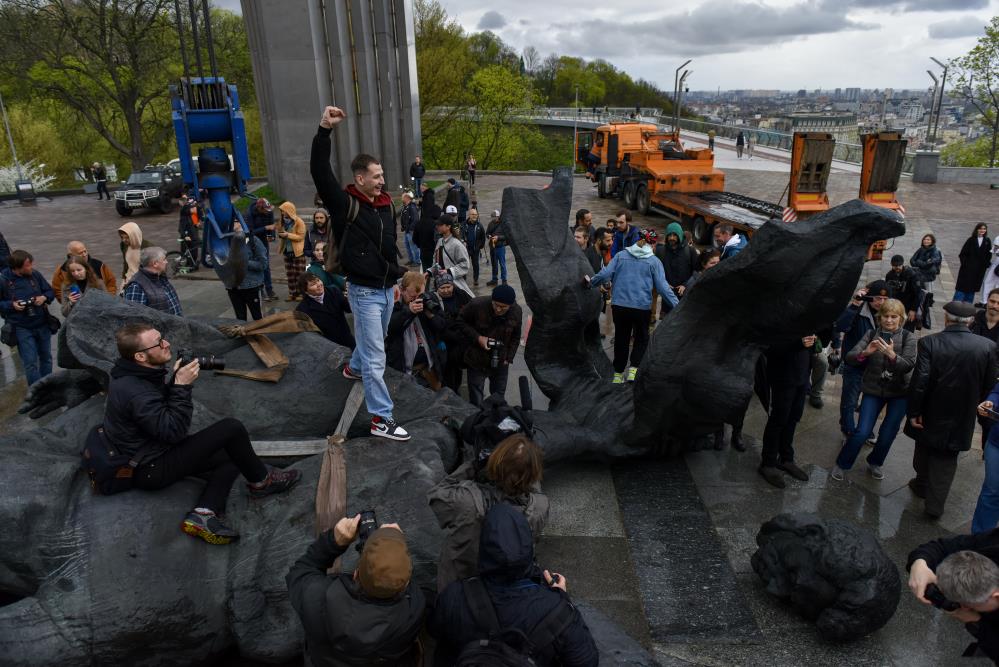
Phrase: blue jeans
(967, 297)
(412, 249)
(372, 308)
(852, 379)
(499, 262)
(870, 408)
(35, 348)
(987, 511)
(417, 182)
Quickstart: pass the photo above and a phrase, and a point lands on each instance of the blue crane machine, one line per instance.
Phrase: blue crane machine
(206, 111)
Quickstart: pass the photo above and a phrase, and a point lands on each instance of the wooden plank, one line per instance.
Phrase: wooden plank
(289, 447)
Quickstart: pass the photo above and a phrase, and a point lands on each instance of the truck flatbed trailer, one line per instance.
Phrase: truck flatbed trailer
(702, 211)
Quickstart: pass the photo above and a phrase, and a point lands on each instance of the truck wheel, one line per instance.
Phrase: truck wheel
(702, 231)
(122, 209)
(629, 195)
(643, 200)
(602, 186)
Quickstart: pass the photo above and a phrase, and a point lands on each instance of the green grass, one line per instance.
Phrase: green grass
(268, 193)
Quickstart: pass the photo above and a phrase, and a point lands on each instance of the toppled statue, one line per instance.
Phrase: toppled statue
(830, 571)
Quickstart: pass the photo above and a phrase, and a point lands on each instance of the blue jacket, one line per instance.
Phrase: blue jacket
(256, 262)
(735, 248)
(24, 288)
(854, 324)
(634, 277)
(624, 239)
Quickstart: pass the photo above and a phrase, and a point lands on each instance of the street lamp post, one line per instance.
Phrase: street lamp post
(10, 138)
(943, 84)
(933, 107)
(676, 85)
(575, 132)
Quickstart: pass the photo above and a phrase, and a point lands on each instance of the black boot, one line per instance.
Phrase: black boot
(737, 443)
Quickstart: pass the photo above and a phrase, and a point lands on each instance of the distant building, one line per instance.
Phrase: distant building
(851, 95)
(841, 124)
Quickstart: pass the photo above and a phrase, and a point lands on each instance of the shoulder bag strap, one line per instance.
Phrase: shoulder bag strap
(481, 605)
(552, 625)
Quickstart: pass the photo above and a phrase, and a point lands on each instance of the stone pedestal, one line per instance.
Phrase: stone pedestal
(359, 55)
(924, 167)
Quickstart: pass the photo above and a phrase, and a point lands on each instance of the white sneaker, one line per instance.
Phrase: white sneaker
(387, 428)
(876, 472)
(837, 474)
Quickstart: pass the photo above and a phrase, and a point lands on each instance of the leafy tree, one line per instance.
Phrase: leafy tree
(975, 153)
(498, 94)
(977, 82)
(108, 60)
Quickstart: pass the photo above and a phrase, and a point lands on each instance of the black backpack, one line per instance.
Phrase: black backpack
(110, 471)
(506, 647)
(487, 427)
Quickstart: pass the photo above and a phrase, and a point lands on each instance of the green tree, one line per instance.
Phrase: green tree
(975, 153)
(108, 60)
(977, 82)
(498, 94)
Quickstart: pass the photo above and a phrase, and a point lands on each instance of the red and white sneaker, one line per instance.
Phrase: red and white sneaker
(387, 428)
(349, 373)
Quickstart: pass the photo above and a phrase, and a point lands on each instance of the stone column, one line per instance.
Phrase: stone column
(359, 55)
(924, 167)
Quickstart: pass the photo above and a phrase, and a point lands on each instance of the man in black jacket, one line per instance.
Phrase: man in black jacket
(903, 284)
(452, 301)
(147, 418)
(414, 334)
(521, 595)
(364, 223)
(417, 171)
(425, 232)
(372, 617)
(326, 309)
(487, 321)
(966, 570)
(955, 369)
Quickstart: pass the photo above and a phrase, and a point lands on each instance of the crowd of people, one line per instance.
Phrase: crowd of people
(422, 318)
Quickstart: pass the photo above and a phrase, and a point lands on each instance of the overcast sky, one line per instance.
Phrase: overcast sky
(786, 44)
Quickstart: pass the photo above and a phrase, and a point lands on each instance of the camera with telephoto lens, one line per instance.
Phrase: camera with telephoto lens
(208, 362)
(28, 305)
(495, 348)
(938, 599)
(367, 525)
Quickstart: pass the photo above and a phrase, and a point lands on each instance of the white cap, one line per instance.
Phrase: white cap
(496, 213)
(451, 209)
(407, 193)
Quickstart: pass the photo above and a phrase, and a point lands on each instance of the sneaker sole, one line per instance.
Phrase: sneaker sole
(197, 531)
(389, 436)
(351, 376)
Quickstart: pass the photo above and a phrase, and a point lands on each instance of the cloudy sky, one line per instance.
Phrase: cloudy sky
(786, 44)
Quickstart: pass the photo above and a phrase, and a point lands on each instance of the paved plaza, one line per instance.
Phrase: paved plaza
(663, 547)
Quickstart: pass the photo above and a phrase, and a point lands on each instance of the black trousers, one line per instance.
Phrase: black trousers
(473, 256)
(477, 382)
(102, 187)
(221, 452)
(629, 322)
(241, 299)
(934, 474)
(787, 404)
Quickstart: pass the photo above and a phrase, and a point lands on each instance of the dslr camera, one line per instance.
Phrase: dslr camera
(939, 600)
(495, 350)
(208, 362)
(28, 305)
(367, 525)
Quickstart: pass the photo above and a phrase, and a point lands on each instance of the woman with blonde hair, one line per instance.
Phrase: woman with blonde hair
(887, 354)
(512, 474)
(79, 277)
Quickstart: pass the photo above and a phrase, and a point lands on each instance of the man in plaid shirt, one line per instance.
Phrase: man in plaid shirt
(150, 287)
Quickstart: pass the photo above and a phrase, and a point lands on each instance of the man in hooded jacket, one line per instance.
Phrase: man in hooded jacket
(521, 594)
(679, 258)
(369, 618)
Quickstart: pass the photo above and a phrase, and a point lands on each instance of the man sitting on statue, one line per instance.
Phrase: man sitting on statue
(147, 417)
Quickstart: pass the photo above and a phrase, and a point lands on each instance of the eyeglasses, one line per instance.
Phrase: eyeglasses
(158, 343)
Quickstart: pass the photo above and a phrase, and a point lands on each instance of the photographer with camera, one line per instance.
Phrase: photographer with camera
(452, 301)
(147, 418)
(491, 326)
(479, 620)
(370, 617)
(413, 343)
(24, 299)
(364, 228)
(507, 471)
(960, 575)
(859, 318)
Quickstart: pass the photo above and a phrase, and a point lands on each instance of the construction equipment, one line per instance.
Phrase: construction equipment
(880, 171)
(206, 111)
(811, 160)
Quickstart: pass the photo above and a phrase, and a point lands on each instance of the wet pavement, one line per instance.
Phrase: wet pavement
(664, 548)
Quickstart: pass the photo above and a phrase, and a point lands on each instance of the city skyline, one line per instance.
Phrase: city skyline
(795, 44)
